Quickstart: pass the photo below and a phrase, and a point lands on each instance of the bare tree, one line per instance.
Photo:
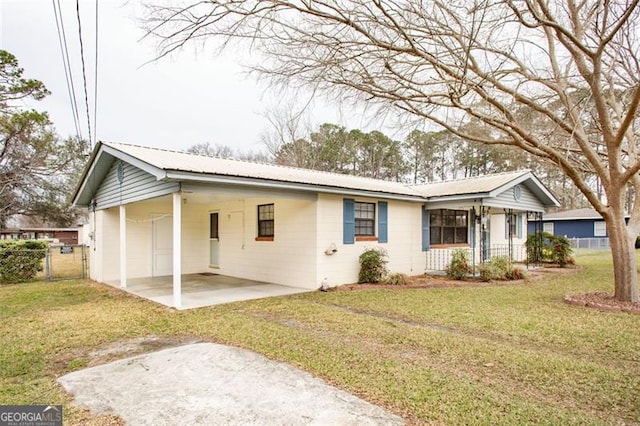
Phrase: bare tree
(215, 150)
(289, 125)
(570, 65)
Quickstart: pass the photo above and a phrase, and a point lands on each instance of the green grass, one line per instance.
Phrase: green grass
(486, 355)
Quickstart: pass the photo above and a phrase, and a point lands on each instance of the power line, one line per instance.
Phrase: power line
(95, 87)
(64, 51)
(84, 74)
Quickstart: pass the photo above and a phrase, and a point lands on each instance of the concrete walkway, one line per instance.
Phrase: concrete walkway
(206, 383)
(199, 290)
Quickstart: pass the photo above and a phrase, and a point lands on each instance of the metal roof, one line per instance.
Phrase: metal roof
(182, 166)
(474, 185)
(193, 163)
(577, 214)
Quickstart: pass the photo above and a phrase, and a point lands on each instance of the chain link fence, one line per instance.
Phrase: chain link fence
(66, 262)
(52, 263)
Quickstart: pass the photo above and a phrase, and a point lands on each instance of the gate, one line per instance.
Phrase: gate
(66, 262)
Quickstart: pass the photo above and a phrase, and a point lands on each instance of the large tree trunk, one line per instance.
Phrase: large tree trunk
(624, 258)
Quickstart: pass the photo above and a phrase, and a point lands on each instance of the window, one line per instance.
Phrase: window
(365, 216)
(448, 227)
(547, 227)
(513, 226)
(213, 225)
(599, 229)
(359, 221)
(265, 221)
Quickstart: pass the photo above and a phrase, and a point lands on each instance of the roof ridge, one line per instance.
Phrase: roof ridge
(281, 166)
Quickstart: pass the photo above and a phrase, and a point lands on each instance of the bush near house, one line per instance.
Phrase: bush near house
(397, 278)
(500, 268)
(373, 266)
(460, 266)
(21, 260)
(546, 247)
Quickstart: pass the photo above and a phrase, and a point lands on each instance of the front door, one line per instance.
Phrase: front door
(162, 245)
(214, 240)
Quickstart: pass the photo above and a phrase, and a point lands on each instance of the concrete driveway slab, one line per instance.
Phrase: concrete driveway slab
(207, 383)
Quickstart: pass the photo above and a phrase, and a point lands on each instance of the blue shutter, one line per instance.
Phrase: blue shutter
(520, 225)
(425, 229)
(472, 227)
(382, 222)
(348, 221)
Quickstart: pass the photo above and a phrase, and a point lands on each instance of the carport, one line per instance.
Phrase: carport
(206, 289)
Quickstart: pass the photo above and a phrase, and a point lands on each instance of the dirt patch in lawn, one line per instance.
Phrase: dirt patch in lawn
(82, 358)
(602, 301)
(139, 345)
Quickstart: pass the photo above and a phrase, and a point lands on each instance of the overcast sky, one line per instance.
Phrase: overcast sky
(192, 97)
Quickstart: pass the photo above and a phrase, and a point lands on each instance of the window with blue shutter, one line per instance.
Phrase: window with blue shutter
(513, 225)
(348, 221)
(425, 229)
(382, 222)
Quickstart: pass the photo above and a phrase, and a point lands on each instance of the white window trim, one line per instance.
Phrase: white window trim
(599, 228)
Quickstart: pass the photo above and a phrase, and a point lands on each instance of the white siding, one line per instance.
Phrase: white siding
(104, 256)
(499, 241)
(289, 259)
(527, 202)
(403, 248)
(136, 185)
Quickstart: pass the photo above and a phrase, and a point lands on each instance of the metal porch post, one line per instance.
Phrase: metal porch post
(177, 250)
(123, 246)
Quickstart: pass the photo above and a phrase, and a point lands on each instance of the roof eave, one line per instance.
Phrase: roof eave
(456, 197)
(88, 168)
(284, 185)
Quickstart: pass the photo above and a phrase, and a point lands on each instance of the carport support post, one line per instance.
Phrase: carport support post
(177, 250)
(123, 246)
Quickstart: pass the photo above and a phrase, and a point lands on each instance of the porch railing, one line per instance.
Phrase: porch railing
(438, 259)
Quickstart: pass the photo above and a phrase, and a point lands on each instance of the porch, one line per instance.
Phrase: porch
(205, 289)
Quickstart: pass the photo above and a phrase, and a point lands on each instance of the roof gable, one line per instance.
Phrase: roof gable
(490, 186)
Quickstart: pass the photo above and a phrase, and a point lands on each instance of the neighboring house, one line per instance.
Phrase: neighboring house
(156, 212)
(579, 223)
(65, 236)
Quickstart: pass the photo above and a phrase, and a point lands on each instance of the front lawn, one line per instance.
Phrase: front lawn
(495, 354)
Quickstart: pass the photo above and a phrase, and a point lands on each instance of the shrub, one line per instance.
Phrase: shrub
(496, 268)
(517, 274)
(397, 278)
(500, 268)
(20, 260)
(546, 247)
(459, 267)
(561, 250)
(373, 265)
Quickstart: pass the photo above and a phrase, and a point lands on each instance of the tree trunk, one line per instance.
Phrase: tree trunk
(624, 258)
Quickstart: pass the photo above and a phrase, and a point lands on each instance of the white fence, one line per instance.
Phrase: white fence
(590, 243)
